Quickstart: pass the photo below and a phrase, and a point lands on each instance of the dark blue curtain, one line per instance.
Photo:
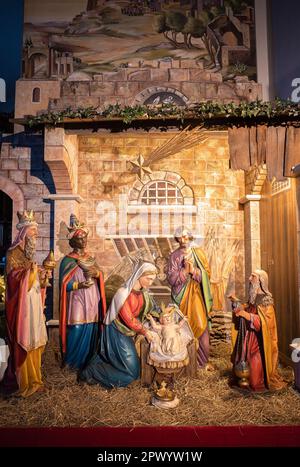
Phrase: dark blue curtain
(285, 32)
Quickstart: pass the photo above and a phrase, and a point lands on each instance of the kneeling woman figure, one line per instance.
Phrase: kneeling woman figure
(116, 363)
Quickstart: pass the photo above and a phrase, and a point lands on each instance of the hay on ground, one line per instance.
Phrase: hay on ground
(205, 400)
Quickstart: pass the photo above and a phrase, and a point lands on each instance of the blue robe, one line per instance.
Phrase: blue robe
(116, 363)
(78, 339)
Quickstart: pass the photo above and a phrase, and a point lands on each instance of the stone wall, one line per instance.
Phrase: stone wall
(212, 189)
(186, 79)
(25, 178)
(24, 104)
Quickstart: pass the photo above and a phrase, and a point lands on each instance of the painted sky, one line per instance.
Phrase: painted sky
(52, 10)
(285, 25)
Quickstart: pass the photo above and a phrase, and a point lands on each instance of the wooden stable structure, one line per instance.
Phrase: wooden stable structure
(279, 256)
(266, 151)
(278, 147)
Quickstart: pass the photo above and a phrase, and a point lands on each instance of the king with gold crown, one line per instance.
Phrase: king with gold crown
(25, 296)
(82, 299)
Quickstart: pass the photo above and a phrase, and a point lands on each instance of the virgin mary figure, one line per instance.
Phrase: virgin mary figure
(116, 363)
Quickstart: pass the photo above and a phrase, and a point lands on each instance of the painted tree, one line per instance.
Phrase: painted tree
(237, 6)
(170, 22)
(175, 21)
(205, 17)
(193, 28)
(91, 5)
(197, 28)
(215, 11)
(160, 26)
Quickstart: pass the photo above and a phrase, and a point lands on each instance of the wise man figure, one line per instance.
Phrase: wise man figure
(188, 274)
(24, 307)
(256, 342)
(82, 299)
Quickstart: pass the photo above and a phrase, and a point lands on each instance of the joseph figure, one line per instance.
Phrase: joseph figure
(188, 274)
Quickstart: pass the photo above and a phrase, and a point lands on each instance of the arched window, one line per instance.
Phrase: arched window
(161, 192)
(36, 95)
(164, 189)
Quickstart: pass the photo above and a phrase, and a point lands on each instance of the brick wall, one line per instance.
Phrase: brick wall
(24, 93)
(134, 84)
(21, 163)
(104, 174)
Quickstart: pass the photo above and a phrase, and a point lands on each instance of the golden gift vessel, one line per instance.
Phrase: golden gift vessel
(49, 265)
(86, 264)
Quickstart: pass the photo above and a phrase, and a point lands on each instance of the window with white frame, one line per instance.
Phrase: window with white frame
(161, 193)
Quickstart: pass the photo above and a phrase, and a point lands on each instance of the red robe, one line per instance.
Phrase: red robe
(130, 311)
(18, 270)
(260, 348)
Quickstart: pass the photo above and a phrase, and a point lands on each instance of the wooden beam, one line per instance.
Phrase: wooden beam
(275, 149)
(239, 148)
(292, 154)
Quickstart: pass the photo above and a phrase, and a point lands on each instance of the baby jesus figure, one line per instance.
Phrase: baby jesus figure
(167, 338)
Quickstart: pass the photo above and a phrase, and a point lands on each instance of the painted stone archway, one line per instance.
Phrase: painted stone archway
(156, 95)
(17, 196)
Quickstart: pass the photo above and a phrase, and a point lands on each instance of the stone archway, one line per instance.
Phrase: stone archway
(17, 196)
(161, 94)
(38, 65)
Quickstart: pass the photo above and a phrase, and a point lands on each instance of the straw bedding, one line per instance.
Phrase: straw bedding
(205, 400)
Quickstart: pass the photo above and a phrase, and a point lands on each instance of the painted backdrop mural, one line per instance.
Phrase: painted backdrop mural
(91, 36)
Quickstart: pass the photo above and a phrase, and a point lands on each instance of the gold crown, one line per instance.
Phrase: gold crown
(76, 225)
(26, 218)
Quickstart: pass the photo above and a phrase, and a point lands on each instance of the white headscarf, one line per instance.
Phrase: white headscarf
(123, 292)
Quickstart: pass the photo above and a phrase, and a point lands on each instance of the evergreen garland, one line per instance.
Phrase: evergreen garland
(210, 113)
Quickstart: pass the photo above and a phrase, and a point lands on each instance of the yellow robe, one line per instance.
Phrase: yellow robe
(30, 374)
